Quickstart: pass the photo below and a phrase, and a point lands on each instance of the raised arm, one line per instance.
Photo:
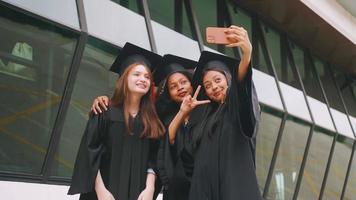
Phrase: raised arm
(239, 38)
(188, 104)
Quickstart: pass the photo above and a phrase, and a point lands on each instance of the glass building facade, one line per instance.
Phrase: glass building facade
(51, 69)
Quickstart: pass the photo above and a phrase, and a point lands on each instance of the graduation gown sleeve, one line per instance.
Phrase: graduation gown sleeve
(89, 155)
(243, 104)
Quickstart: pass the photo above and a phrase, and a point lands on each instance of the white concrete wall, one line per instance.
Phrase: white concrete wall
(20, 191)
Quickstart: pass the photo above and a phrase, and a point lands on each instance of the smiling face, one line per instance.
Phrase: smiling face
(139, 80)
(215, 85)
(179, 86)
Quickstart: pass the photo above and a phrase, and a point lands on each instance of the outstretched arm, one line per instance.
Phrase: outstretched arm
(239, 38)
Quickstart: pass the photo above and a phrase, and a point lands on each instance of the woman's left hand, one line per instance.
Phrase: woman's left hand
(146, 194)
(239, 38)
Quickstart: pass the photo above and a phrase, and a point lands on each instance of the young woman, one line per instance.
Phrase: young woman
(224, 162)
(117, 155)
(175, 157)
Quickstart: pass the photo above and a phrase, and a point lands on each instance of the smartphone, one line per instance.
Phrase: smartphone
(216, 35)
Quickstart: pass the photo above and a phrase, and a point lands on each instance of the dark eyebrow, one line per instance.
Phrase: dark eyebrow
(205, 82)
(216, 76)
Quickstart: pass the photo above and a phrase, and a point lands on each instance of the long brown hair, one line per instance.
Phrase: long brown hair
(153, 127)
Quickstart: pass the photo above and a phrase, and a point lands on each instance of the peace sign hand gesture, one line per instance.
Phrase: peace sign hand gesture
(189, 102)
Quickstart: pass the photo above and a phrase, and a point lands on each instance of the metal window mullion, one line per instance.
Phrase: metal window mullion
(228, 21)
(220, 19)
(271, 67)
(349, 167)
(144, 10)
(68, 90)
(178, 16)
(193, 22)
(327, 169)
(331, 153)
(311, 131)
(332, 150)
(293, 65)
(341, 97)
(23, 177)
(348, 117)
(316, 75)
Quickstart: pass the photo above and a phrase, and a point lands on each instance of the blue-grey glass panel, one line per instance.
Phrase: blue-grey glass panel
(274, 47)
(289, 159)
(93, 79)
(350, 193)
(338, 168)
(266, 140)
(316, 164)
(328, 84)
(163, 12)
(346, 83)
(35, 57)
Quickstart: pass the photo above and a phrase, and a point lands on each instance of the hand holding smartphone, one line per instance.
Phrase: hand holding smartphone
(216, 35)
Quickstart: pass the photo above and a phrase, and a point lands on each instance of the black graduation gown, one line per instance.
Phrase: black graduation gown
(176, 162)
(123, 159)
(224, 164)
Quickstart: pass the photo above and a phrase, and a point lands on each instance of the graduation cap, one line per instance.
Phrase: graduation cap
(172, 64)
(210, 60)
(131, 54)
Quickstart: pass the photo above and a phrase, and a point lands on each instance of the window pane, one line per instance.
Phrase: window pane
(338, 168)
(239, 18)
(206, 13)
(329, 86)
(310, 81)
(316, 164)
(262, 62)
(266, 140)
(298, 56)
(93, 79)
(345, 84)
(273, 41)
(289, 158)
(351, 186)
(163, 12)
(129, 4)
(35, 57)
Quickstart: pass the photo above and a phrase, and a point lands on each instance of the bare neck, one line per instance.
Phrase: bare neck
(133, 104)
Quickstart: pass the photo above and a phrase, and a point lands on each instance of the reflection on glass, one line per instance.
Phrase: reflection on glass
(262, 62)
(35, 57)
(273, 42)
(206, 13)
(328, 84)
(289, 158)
(316, 164)
(239, 18)
(93, 79)
(345, 82)
(163, 12)
(298, 57)
(350, 193)
(310, 81)
(266, 139)
(338, 168)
